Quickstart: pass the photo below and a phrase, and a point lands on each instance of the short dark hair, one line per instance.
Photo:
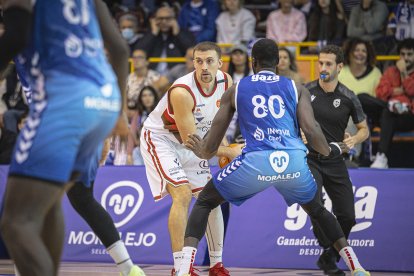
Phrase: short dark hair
(333, 49)
(266, 53)
(350, 46)
(207, 46)
(407, 43)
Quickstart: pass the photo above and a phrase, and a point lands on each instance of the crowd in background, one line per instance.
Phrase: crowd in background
(364, 28)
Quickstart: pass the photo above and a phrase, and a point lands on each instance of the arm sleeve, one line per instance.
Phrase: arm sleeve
(408, 85)
(354, 30)
(357, 114)
(386, 85)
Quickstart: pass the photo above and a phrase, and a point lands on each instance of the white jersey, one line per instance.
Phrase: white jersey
(161, 120)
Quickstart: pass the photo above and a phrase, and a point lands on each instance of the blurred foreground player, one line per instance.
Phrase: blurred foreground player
(76, 103)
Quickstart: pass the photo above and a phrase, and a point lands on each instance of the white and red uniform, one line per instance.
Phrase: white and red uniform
(166, 158)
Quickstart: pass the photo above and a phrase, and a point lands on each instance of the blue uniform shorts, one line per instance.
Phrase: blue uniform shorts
(253, 172)
(69, 119)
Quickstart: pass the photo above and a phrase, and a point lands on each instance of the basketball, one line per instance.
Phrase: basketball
(223, 160)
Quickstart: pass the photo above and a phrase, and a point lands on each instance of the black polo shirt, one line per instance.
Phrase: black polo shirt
(333, 109)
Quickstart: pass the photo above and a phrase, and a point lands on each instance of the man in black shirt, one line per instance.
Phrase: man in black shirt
(333, 104)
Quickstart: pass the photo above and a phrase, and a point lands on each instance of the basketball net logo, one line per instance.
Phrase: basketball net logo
(122, 203)
(279, 160)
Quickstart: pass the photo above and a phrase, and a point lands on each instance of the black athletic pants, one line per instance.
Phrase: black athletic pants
(333, 175)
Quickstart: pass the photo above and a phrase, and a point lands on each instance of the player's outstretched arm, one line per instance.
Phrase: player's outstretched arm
(311, 128)
(118, 51)
(115, 44)
(17, 17)
(207, 147)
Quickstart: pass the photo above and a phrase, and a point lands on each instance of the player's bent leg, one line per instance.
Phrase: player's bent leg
(177, 220)
(53, 233)
(331, 228)
(215, 236)
(27, 203)
(82, 200)
(85, 204)
(323, 219)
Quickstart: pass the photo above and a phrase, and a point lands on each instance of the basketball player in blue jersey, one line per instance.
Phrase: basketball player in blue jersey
(270, 109)
(82, 200)
(76, 103)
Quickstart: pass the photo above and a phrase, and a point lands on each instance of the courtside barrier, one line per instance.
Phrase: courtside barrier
(263, 232)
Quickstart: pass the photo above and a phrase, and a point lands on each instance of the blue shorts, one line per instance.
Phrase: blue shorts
(254, 172)
(68, 121)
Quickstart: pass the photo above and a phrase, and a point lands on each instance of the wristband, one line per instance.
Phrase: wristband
(335, 149)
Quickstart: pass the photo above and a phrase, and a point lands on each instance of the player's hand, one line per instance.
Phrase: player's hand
(234, 150)
(195, 144)
(349, 140)
(121, 127)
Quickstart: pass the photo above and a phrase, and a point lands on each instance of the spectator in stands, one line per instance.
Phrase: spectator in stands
(304, 6)
(147, 101)
(8, 139)
(345, 7)
(367, 20)
(176, 72)
(362, 76)
(239, 67)
(140, 77)
(396, 87)
(165, 39)
(360, 73)
(128, 24)
(401, 21)
(236, 24)
(287, 66)
(3, 91)
(199, 17)
(325, 24)
(286, 24)
(15, 100)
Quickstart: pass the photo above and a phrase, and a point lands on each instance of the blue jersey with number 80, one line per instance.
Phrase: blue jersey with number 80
(266, 104)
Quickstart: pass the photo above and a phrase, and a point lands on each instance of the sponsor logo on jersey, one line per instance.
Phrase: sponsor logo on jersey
(279, 160)
(265, 78)
(259, 134)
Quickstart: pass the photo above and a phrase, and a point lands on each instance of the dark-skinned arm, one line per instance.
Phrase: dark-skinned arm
(115, 44)
(118, 51)
(311, 128)
(17, 23)
(208, 147)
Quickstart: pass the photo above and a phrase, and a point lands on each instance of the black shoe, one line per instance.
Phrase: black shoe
(327, 263)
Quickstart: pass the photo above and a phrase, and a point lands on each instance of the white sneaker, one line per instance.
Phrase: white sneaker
(381, 161)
